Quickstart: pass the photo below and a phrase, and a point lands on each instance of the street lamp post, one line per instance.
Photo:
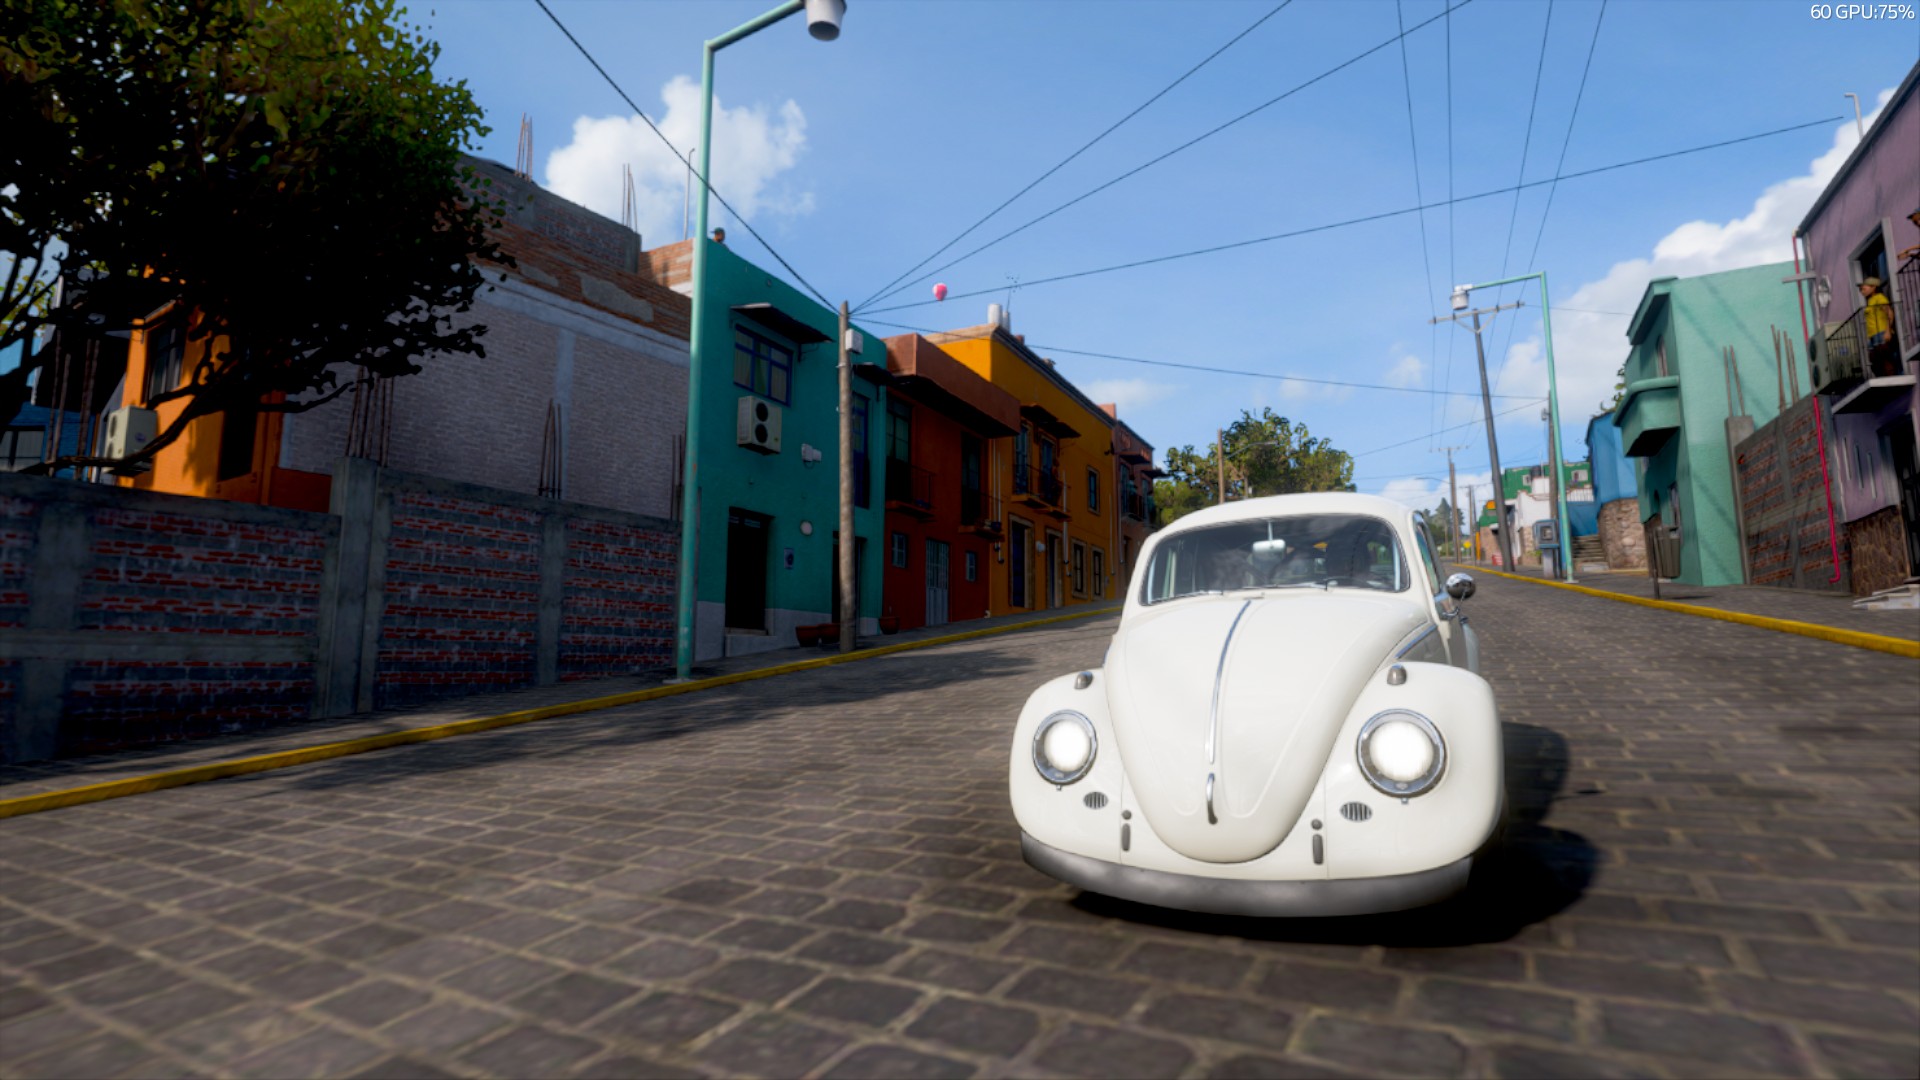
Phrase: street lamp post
(823, 22)
(1553, 407)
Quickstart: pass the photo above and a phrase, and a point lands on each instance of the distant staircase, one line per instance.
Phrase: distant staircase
(1589, 554)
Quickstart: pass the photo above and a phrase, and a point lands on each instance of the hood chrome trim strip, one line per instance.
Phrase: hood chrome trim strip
(1417, 639)
(1219, 675)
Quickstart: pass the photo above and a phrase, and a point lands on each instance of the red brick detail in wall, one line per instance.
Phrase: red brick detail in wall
(462, 599)
(181, 573)
(112, 705)
(16, 553)
(620, 599)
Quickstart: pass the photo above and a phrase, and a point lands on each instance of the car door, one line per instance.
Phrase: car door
(1446, 612)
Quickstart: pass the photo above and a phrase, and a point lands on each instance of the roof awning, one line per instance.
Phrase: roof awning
(1153, 473)
(877, 374)
(781, 323)
(1137, 455)
(1048, 422)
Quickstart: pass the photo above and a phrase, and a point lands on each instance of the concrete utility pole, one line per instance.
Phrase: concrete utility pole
(1502, 528)
(849, 618)
(1453, 500)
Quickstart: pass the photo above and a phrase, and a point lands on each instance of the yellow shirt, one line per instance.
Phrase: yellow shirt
(1879, 314)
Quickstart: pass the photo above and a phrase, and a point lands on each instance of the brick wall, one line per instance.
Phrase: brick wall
(1783, 502)
(129, 618)
(462, 596)
(619, 598)
(1878, 547)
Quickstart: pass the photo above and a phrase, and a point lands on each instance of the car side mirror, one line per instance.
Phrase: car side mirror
(1460, 586)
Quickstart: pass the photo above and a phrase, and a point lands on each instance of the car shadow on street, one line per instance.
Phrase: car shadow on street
(1535, 873)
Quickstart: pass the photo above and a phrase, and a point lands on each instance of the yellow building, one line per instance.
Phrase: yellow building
(231, 456)
(1052, 485)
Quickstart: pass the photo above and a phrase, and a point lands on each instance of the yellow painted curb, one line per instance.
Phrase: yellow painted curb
(282, 759)
(1859, 639)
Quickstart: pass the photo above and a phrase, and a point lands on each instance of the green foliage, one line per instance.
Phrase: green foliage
(1619, 391)
(1266, 455)
(1438, 530)
(288, 173)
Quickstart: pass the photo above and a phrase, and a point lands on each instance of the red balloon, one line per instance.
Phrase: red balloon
(940, 291)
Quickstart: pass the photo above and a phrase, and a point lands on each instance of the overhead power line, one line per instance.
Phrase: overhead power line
(1390, 446)
(1210, 370)
(1419, 196)
(1578, 96)
(1142, 167)
(1382, 216)
(1083, 149)
(1453, 275)
(641, 113)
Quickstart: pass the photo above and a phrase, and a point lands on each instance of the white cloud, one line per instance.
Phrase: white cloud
(1126, 395)
(1409, 371)
(1588, 348)
(1425, 492)
(752, 147)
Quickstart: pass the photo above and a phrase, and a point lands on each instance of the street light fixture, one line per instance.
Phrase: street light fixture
(823, 22)
(1553, 410)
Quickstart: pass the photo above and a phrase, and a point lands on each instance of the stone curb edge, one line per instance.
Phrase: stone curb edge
(1859, 639)
(283, 759)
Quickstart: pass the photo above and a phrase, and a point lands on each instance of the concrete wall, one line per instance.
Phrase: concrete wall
(132, 617)
(1790, 530)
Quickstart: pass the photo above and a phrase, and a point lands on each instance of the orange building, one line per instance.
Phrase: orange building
(1055, 478)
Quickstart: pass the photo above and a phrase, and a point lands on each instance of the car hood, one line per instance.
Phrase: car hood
(1284, 670)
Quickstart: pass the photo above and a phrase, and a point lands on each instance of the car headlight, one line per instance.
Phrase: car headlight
(1401, 753)
(1064, 746)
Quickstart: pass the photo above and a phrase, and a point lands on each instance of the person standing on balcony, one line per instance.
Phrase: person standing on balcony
(1879, 317)
(1914, 251)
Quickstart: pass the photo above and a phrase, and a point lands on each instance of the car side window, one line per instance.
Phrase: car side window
(1426, 558)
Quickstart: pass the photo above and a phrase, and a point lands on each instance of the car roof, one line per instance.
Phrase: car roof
(1320, 502)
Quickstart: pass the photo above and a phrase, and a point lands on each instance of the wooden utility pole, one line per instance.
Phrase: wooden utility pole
(1493, 445)
(1453, 500)
(1220, 458)
(1473, 519)
(849, 613)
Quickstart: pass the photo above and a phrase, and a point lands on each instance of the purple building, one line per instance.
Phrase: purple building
(1865, 347)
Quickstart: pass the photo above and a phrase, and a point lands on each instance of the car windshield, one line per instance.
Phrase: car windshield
(1344, 551)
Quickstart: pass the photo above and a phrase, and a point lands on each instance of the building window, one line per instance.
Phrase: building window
(762, 366)
(1099, 572)
(1022, 459)
(166, 355)
(1093, 490)
(1660, 355)
(973, 566)
(861, 472)
(238, 427)
(900, 550)
(899, 430)
(1079, 568)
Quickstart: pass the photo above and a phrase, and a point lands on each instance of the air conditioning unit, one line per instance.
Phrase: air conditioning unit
(129, 430)
(759, 426)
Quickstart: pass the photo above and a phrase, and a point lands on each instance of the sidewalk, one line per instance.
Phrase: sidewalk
(1799, 605)
(42, 776)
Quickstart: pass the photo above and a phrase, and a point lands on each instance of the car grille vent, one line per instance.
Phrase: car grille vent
(1095, 800)
(1356, 811)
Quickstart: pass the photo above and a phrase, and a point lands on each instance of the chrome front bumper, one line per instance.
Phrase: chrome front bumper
(1224, 896)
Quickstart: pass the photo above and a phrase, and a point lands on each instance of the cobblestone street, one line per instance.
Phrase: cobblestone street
(1715, 872)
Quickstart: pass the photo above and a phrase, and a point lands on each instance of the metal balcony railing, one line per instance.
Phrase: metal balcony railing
(1133, 505)
(1842, 362)
(980, 511)
(1039, 486)
(1907, 284)
(909, 487)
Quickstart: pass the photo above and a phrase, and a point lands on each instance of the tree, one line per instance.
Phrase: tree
(1438, 529)
(1266, 455)
(287, 175)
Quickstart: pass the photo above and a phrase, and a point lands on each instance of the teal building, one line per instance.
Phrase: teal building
(1687, 402)
(766, 558)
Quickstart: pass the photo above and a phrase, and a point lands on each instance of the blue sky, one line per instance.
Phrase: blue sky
(858, 158)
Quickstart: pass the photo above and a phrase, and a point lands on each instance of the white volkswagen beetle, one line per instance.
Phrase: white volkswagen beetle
(1290, 721)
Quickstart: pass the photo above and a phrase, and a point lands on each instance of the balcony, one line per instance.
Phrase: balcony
(909, 490)
(980, 513)
(1907, 284)
(1039, 488)
(1649, 415)
(1133, 506)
